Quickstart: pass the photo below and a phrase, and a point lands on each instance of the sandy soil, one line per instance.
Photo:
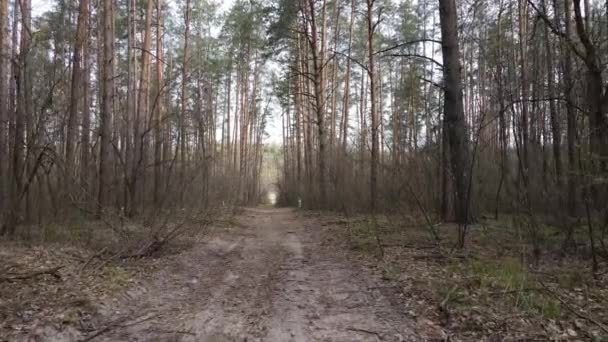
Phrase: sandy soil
(273, 276)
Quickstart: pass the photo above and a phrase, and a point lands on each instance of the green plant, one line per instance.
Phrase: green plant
(506, 274)
(451, 294)
(363, 236)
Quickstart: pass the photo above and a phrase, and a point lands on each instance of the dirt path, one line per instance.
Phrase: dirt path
(271, 277)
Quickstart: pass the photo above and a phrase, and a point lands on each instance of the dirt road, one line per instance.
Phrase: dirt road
(274, 276)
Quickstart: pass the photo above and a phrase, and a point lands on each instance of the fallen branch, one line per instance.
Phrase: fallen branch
(178, 332)
(114, 324)
(429, 256)
(96, 255)
(408, 246)
(517, 291)
(22, 276)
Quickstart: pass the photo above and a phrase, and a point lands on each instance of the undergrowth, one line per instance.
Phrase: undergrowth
(363, 236)
(505, 279)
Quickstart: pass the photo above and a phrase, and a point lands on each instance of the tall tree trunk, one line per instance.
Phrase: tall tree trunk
(160, 107)
(182, 117)
(318, 61)
(523, 54)
(168, 159)
(334, 93)
(374, 116)
(454, 108)
(502, 119)
(570, 114)
(4, 96)
(595, 96)
(226, 158)
(141, 117)
(12, 106)
(75, 95)
(131, 99)
(25, 98)
(346, 105)
(555, 122)
(107, 101)
(85, 137)
(18, 122)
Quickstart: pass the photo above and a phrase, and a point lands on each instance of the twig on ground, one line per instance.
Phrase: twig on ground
(409, 246)
(96, 255)
(111, 258)
(506, 292)
(179, 332)
(113, 324)
(22, 276)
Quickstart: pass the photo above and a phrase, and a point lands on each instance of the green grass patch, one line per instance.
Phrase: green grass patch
(452, 295)
(506, 279)
(363, 236)
(507, 274)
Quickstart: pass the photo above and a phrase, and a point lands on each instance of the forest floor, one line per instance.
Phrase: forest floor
(270, 274)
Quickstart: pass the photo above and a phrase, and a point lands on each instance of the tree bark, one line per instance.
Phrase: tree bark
(160, 108)
(554, 116)
(182, 117)
(454, 107)
(318, 62)
(107, 101)
(76, 93)
(141, 117)
(4, 96)
(85, 142)
(570, 114)
(374, 116)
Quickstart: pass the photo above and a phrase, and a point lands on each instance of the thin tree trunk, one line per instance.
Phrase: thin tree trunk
(107, 105)
(555, 122)
(374, 116)
(523, 38)
(160, 108)
(182, 118)
(334, 90)
(85, 142)
(25, 109)
(4, 96)
(570, 114)
(131, 99)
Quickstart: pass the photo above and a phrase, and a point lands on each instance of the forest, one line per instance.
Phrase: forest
(444, 160)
